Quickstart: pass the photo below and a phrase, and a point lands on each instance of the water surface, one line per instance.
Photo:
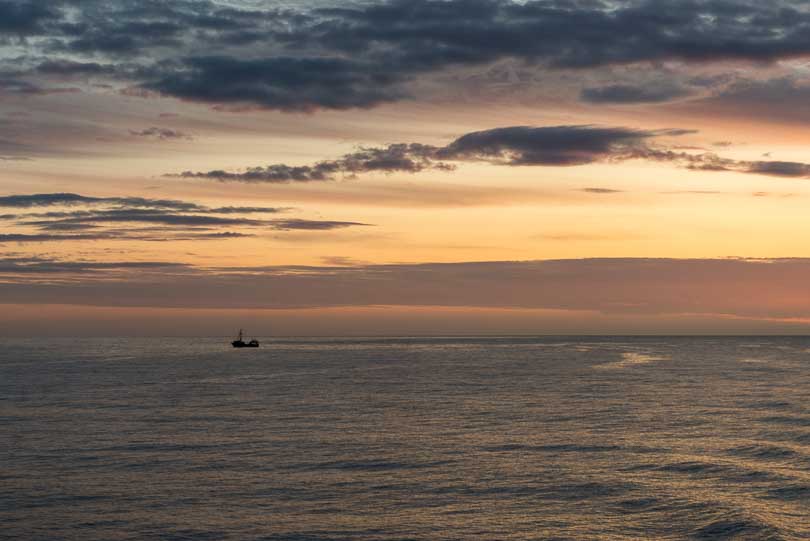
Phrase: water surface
(405, 439)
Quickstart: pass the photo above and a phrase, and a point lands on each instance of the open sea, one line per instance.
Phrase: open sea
(603, 438)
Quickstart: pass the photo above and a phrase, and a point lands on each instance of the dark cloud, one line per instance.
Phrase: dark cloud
(63, 226)
(601, 191)
(136, 218)
(777, 168)
(217, 236)
(166, 236)
(147, 216)
(246, 210)
(69, 68)
(629, 94)
(410, 158)
(20, 17)
(312, 225)
(516, 145)
(70, 199)
(553, 145)
(119, 38)
(163, 134)
(269, 174)
(84, 219)
(424, 33)
(363, 54)
(285, 83)
(45, 199)
(48, 237)
(712, 162)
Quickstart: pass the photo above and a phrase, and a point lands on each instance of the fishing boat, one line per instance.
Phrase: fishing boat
(240, 343)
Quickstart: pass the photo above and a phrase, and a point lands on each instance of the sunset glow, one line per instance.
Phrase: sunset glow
(234, 142)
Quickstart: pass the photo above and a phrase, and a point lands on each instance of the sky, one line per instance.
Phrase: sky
(404, 167)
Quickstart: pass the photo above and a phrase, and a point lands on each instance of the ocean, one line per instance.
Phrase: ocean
(603, 438)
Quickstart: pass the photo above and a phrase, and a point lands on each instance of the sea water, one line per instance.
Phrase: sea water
(405, 439)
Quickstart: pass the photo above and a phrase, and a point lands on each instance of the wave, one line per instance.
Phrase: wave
(770, 452)
(561, 492)
(728, 472)
(786, 420)
(632, 358)
(559, 448)
(791, 493)
(742, 529)
(371, 465)
(769, 405)
(698, 468)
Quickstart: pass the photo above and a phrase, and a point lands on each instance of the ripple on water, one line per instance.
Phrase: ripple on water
(739, 529)
(417, 439)
(764, 451)
(790, 420)
(794, 492)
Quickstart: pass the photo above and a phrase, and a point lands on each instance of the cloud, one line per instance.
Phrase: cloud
(421, 33)
(144, 216)
(780, 99)
(553, 145)
(45, 199)
(26, 88)
(410, 158)
(284, 83)
(70, 199)
(312, 225)
(163, 134)
(630, 94)
(363, 54)
(84, 219)
(514, 145)
(146, 219)
(63, 226)
(24, 18)
(712, 162)
(119, 38)
(69, 68)
(247, 210)
(736, 287)
(47, 237)
(777, 168)
(601, 191)
(117, 235)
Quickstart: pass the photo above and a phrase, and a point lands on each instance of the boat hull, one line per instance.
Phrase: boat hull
(241, 344)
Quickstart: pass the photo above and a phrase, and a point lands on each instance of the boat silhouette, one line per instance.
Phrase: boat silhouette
(240, 343)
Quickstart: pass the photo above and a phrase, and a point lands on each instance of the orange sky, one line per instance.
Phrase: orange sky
(77, 129)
